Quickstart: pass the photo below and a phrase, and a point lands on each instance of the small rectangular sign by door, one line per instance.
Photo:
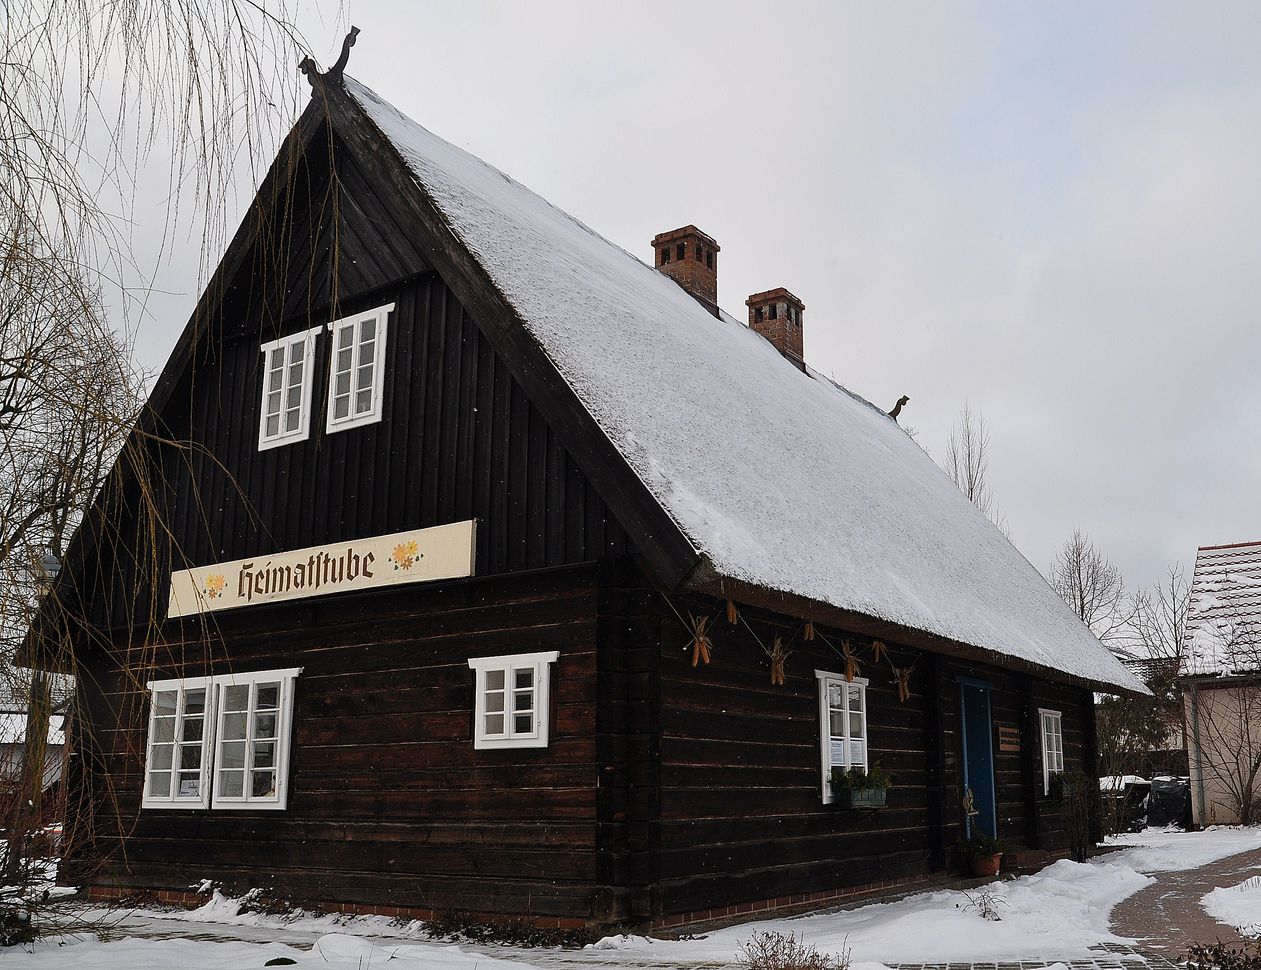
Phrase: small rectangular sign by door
(422, 555)
(1008, 737)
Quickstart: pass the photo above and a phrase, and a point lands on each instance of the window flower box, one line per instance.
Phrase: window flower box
(862, 798)
(859, 789)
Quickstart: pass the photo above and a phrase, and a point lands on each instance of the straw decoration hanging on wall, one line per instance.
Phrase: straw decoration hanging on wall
(852, 667)
(732, 615)
(878, 650)
(778, 654)
(902, 681)
(901, 678)
(702, 645)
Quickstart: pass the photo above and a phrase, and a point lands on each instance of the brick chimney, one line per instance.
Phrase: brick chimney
(776, 315)
(690, 258)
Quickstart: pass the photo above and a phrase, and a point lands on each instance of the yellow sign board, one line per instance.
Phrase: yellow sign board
(422, 555)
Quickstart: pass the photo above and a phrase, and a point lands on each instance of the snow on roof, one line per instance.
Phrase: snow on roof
(781, 479)
(1223, 632)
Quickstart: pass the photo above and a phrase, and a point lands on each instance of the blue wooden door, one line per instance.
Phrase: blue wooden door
(978, 755)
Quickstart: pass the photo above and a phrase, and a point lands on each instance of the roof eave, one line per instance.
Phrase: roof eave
(707, 581)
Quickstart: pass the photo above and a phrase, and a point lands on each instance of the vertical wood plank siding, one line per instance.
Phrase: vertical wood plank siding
(458, 438)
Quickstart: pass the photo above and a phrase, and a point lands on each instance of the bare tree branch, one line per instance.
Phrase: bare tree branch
(1093, 588)
(967, 463)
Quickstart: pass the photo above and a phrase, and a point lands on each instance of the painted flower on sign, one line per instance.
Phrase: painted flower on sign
(215, 584)
(405, 555)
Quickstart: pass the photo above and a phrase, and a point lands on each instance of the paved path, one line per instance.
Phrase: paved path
(1167, 917)
(1111, 957)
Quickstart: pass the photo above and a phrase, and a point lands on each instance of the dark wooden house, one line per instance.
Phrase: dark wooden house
(464, 561)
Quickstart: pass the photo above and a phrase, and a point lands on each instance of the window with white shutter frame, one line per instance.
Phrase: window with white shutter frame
(220, 742)
(285, 416)
(252, 729)
(842, 725)
(176, 761)
(357, 371)
(1052, 746)
(511, 703)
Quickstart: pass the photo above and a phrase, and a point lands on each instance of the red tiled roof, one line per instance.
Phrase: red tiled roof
(1223, 634)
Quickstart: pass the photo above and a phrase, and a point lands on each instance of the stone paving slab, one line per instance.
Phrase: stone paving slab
(1166, 917)
(1112, 956)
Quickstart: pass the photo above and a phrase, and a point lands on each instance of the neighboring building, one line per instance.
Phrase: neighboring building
(1221, 684)
(13, 750)
(451, 481)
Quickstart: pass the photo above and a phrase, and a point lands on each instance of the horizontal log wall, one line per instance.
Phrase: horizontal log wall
(666, 788)
(741, 814)
(389, 802)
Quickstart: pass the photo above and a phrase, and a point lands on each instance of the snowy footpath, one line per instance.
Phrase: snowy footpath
(1057, 915)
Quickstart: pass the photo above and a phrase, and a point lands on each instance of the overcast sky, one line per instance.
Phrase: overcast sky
(1052, 212)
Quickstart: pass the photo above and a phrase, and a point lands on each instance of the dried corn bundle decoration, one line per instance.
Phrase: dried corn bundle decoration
(778, 654)
(878, 650)
(852, 669)
(732, 615)
(701, 642)
(902, 681)
(808, 634)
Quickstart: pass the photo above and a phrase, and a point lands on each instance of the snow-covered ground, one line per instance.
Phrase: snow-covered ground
(1060, 912)
(1171, 849)
(1238, 906)
(329, 952)
(1055, 915)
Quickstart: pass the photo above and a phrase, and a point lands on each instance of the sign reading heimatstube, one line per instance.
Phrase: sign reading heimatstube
(442, 552)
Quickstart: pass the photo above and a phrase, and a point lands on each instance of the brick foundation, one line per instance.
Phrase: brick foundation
(799, 903)
(191, 900)
(698, 919)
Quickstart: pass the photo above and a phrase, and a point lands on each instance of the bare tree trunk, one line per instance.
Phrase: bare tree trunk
(28, 811)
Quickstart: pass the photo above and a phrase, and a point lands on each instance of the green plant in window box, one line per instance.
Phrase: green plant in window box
(860, 787)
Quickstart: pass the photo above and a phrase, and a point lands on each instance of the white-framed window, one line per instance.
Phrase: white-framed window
(842, 725)
(251, 761)
(220, 742)
(176, 762)
(285, 415)
(511, 704)
(356, 374)
(1052, 746)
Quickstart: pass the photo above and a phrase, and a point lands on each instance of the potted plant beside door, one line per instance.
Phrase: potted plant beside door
(983, 853)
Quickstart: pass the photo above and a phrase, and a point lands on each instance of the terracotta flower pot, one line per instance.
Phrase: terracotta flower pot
(986, 865)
